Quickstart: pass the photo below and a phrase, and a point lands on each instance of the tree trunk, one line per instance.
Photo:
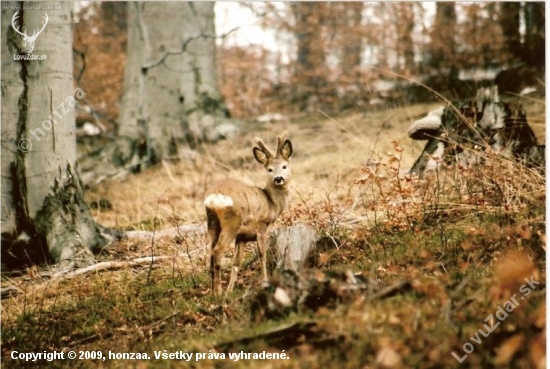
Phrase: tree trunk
(509, 22)
(442, 46)
(12, 89)
(42, 199)
(310, 72)
(353, 45)
(405, 28)
(170, 86)
(203, 105)
(294, 246)
(534, 34)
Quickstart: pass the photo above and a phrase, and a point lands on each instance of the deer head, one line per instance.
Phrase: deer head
(277, 164)
(29, 40)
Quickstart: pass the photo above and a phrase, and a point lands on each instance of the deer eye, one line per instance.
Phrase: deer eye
(284, 166)
(270, 170)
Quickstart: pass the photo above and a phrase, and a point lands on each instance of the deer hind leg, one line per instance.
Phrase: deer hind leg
(226, 237)
(237, 261)
(213, 226)
(229, 228)
(214, 231)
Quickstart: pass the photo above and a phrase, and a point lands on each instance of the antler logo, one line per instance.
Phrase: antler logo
(29, 40)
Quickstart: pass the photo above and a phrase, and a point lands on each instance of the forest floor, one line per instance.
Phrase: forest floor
(454, 249)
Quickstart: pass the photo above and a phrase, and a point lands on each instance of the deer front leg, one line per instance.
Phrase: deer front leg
(261, 252)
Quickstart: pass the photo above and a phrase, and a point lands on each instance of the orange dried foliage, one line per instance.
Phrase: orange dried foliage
(99, 61)
(513, 269)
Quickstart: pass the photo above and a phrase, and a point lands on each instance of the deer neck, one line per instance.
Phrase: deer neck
(277, 197)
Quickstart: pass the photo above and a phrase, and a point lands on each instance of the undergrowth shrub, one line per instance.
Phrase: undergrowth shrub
(487, 206)
(498, 187)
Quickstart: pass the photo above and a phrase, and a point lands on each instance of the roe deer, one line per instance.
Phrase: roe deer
(236, 211)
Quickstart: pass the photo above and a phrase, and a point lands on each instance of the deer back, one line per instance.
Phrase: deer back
(250, 203)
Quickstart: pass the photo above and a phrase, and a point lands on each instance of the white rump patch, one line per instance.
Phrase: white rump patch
(218, 200)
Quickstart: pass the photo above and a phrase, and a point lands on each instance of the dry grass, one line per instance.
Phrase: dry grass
(465, 238)
(329, 154)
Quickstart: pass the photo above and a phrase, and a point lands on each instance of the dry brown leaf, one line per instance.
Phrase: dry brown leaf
(539, 317)
(388, 357)
(324, 258)
(537, 351)
(514, 268)
(507, 350)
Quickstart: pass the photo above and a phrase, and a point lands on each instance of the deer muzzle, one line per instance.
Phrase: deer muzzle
(279, 181)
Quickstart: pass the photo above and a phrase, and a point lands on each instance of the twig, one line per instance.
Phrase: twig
(111, 265)
(173, 232)
(159, 322)
(390, 290)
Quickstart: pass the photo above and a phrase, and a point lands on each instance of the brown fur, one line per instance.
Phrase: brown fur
(236, 211)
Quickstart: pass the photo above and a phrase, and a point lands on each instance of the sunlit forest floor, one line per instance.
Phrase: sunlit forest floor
(458, 246)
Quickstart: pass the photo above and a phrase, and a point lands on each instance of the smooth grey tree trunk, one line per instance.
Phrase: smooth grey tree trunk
(42, 197)
(170, 86)
(12, 89)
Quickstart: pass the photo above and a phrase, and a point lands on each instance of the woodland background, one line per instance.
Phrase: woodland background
(406, 269)
(339, 55)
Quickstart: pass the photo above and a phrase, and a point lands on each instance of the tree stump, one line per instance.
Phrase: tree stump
(293, 246)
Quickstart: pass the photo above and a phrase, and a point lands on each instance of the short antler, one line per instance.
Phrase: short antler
(263, 147)
(280, 141)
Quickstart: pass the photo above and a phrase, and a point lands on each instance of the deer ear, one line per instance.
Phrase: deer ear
(260, 156)
(286, 150)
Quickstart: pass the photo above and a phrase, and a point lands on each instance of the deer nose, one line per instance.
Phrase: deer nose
(279, 180)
